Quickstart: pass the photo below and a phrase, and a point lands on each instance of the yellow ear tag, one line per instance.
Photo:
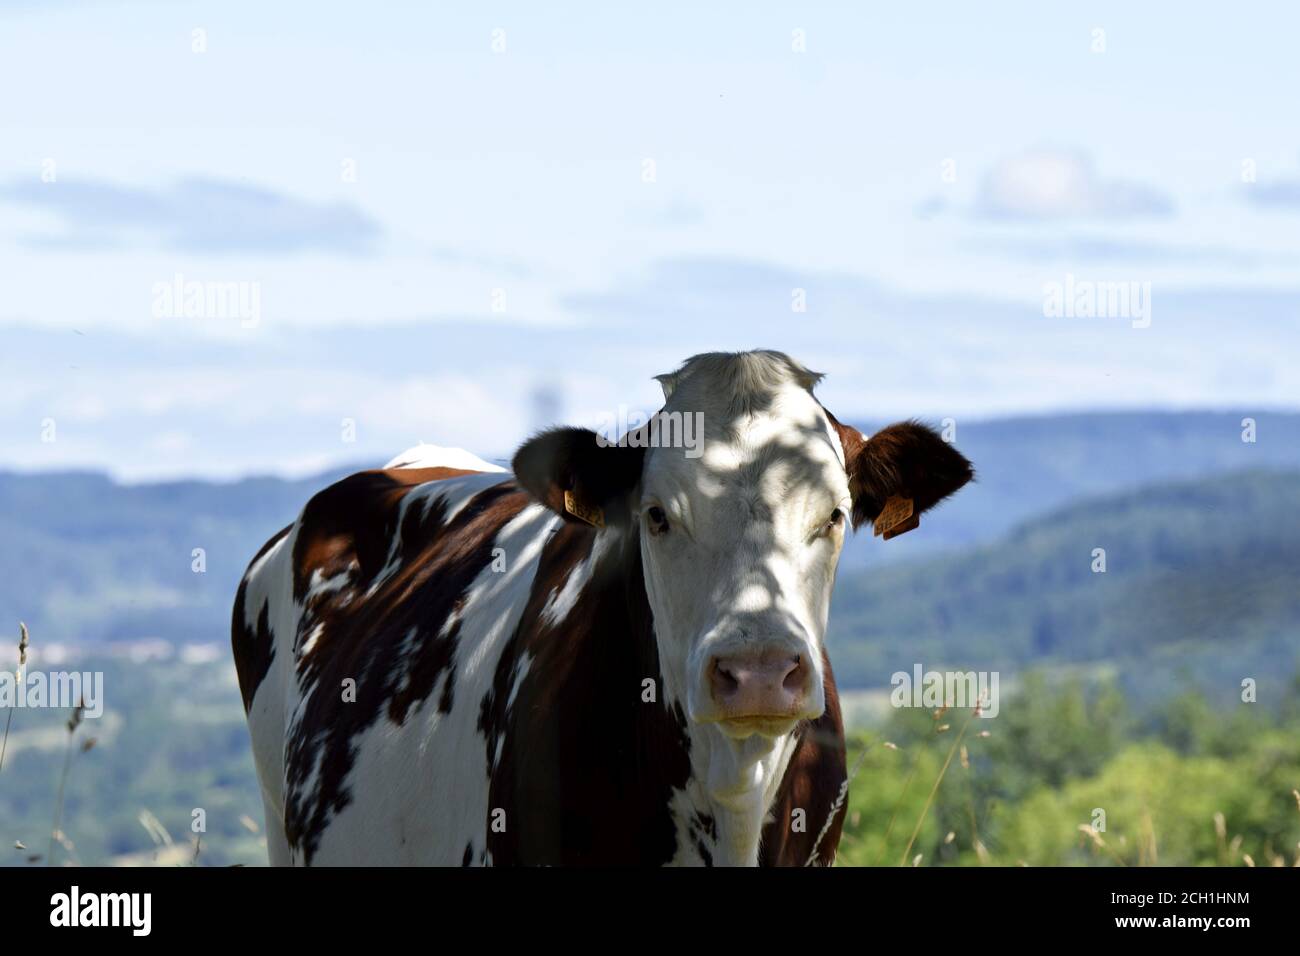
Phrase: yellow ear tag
(591, 514)
(895, 518)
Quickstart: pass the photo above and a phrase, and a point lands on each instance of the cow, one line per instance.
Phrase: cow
(613, 656)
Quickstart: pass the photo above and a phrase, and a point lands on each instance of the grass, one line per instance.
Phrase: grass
(1136, 843)
(57, 836)
(929, 800)
(23, 644)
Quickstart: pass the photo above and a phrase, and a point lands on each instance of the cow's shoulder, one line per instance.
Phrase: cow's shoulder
(350, 527)
(344, 535)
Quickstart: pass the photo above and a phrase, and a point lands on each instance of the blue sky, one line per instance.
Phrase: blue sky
(445, 211)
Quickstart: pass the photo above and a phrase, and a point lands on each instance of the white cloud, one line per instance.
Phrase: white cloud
(1063, 184)
(1280, 194)
(196, 214)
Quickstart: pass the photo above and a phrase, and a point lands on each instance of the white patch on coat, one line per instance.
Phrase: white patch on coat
(561, 602)
(310, 643)
(319, 585)
(522, 665)
(435, 456)
(270, 583)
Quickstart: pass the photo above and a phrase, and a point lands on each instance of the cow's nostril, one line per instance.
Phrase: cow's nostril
(724, 682)
(795, 678)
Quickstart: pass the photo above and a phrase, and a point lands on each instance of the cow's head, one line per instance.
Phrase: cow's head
(740, 527)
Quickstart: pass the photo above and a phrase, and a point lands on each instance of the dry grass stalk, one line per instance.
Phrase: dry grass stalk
(56, 834)
(898, 804)
(981, 851)
(838, 804)
(23, 644)
(1147, 854)
(925, 810)
(1097, 841)
(154, 827)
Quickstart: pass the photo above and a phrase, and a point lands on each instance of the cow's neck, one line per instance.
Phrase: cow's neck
(737, 782)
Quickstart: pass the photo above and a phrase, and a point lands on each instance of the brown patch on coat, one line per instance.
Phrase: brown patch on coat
(253, 647)
(355, 519)
(587, 769)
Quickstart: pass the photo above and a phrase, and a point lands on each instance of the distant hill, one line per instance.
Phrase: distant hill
(1202, 580)
(86, 559)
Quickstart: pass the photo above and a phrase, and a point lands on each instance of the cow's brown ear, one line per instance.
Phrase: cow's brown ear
(899, 473)
(576, 475)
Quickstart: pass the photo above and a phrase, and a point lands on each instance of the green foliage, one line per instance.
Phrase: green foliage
(1056, 754)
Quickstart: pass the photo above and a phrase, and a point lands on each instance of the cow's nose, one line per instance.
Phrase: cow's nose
(758, 685)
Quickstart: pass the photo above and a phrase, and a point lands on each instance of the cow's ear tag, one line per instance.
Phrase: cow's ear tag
(902, 528)
(897, 517)
(592, 514)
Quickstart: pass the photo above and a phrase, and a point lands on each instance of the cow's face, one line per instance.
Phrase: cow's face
(740, 537)
(740, 492)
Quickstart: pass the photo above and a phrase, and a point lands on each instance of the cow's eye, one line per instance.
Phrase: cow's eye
(656, 521)
(836, 519)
